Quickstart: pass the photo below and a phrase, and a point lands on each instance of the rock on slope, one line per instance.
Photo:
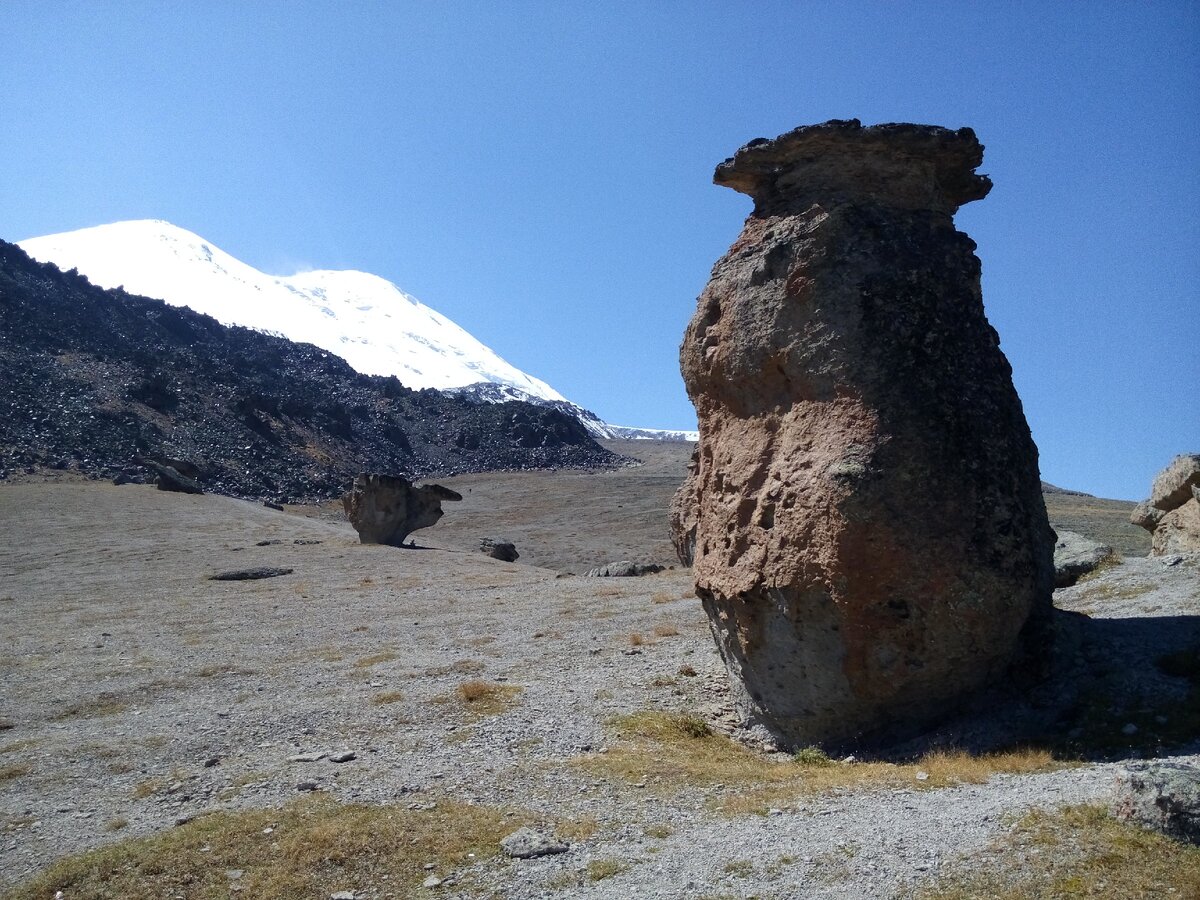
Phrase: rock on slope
(91, 378)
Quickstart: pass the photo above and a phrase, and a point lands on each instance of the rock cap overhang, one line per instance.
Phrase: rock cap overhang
(897, 164)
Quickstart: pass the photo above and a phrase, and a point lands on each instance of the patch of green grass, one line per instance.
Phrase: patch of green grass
(812, 756)
(315, 846)
(1081, 852)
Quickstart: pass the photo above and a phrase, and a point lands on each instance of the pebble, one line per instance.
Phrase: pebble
(306, 786)
(431, 882)
(307, 757)
(343, 756)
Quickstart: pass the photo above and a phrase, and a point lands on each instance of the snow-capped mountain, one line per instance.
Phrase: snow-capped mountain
(368, 321)
(365, 319)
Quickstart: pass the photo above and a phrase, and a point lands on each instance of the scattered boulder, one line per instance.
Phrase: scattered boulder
(250, 574)
(525, 843)
(504, 551)
(1075, 556)
(622, 569)
(1162, 796)
(171, 479)
(385, 509)
(865, 516)
(1172, 514)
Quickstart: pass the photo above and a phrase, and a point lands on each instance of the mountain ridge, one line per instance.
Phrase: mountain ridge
(363, 318)
(91, 379)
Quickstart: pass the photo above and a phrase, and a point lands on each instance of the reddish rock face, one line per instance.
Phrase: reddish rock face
(864, 514)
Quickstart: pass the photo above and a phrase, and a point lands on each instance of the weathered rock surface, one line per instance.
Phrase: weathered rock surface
(505, 551)
(525, 843)
(1075, 556)
(870, 539)
(385, 509)
(1162, 796)
(1172, 514)
(168, 478)
(623, 569)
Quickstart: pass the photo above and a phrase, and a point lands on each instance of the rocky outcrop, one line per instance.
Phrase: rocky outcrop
(1172, 514)
(870, 539)
(168, 478)
(1161, 796)
(623, 569)
(1076, 555)
(385, 509)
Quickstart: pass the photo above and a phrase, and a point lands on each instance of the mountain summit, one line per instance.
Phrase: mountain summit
(368, 321)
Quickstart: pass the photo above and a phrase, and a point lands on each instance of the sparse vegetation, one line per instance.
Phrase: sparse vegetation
(669, 751)
(1081, 852)
(92, 708)
(812, 756)
(314, 847)
(687, 671)
(14, 770)
(636, 639)
(484, 698)
(116, 824)
(375, 659)
(659, 830)
(387, 697)
(144, 789)
(739, 868)
(665, 630)
(599, 869)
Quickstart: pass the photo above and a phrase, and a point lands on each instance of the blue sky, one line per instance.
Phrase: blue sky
(541, 172)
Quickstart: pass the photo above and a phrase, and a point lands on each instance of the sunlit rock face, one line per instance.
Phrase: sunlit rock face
(864, 514)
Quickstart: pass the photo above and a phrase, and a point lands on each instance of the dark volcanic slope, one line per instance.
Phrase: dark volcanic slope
(90, 379)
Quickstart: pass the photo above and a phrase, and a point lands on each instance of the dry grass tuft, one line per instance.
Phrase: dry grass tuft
(387, 697)
(316, 847)
(636, 639)
(15, 770)
(687, 671)
(665, 631)
(670, 752)
(599, 869)
(116, 824)
(93, 707)
(1081, 852)
(375, 659)
(484, 698)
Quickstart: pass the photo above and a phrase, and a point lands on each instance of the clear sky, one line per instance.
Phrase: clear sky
(541, 172)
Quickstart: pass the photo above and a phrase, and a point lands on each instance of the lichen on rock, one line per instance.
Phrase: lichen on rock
(864, 514)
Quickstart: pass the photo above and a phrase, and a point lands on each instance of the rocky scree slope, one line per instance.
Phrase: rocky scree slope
(92, 378)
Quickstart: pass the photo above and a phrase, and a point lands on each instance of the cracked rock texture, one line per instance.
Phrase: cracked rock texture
(864, 514)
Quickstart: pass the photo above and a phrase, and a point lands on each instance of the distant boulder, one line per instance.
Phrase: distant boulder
(1075, 556)
(622, 569)
(1172, 514)
(171, 479)
(385, 509)
(504, 551)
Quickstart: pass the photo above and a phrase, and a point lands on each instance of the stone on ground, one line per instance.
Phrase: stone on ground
(864, 514)
(1075, 556)
(1172, 514)
(1162, 796)
(385, 509)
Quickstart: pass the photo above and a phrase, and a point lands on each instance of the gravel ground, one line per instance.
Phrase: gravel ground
(136, 689)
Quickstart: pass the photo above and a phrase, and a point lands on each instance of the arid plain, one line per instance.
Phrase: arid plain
(465, 697)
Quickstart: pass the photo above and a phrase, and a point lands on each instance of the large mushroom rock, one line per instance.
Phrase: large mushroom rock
(869, 535)
(1172, 514)
(385, 509)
